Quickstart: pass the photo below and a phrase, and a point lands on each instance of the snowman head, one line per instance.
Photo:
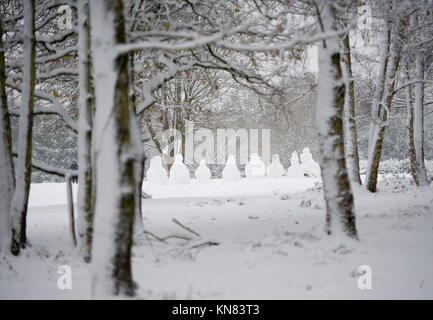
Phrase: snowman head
(156, 161)
(255, 157)
(275, 158)
(202, 162)
(294, 160)
(306, 155)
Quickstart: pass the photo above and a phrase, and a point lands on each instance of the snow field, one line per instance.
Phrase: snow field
(271, 244)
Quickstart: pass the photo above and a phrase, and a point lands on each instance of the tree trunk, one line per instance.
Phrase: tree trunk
(168, 157)
(24, 160)
(340, 216)
(152, 133)
(418, 120)
(178, 119)
(139, 158)
(114, 157)
(381, 107)
(138, 171)
(85, 176)
(71, 215)
(351, 135)
(7, 176)
(409, 125)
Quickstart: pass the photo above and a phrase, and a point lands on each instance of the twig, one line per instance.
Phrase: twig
(167, 237)
(184, 227)
(207, 243)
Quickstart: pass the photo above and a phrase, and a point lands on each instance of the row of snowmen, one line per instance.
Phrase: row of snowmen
(255, 168)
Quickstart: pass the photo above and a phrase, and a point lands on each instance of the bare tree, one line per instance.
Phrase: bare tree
(7, 177)
(24, 160)
(384, 94)
(340, 215)
(114, 158)
(416, 111)
(85, 194)
(351, 134)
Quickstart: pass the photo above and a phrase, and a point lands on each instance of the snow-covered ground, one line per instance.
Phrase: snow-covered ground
(271, 244)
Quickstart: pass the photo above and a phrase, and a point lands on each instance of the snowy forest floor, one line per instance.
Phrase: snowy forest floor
(271, 239)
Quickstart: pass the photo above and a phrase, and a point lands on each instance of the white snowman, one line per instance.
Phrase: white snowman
(179, 173)
(203, 173)
(156, 173)
(275, 169)
(310, 167)
(255, 168)
(295, 170)
(231, 172)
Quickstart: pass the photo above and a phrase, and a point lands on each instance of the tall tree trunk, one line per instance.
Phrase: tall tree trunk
(168, 157)
(418, 120)
(409, 126)
(114, 157)
(376, 122)
(138, 171)
(381, 106)
(178, 119)
(7, 176)
(24, 161)
(340, 215)
(139, 158)
(85, 176)
(152, 133)
(351, 135)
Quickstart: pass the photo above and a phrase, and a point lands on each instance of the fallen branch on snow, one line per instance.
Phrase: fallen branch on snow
(204, 244)
(163, 239)
(185, 227)
(182, 237)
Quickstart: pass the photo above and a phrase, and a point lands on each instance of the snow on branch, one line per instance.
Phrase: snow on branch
(61, 172)
(54, 170)
(47, 58)
(57, 37)
(195, 42)
(410, 83)
(299, 41)
(156, 82)
(58, 72)
(57, 55)
(57, 107)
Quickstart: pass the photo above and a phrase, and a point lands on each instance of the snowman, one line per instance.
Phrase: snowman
(295, 170)
(310, 167)
(203, 173)
(255, 168)
(179, 173)
(231, 173)
(156, 174)
(275, 169)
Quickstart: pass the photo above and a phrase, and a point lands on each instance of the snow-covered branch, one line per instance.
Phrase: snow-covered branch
(57, 107)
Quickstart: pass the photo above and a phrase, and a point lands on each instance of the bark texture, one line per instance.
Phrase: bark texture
(24, 160)
(409, 126)
(114, 155)
(351, 134)
(382, 102)
(71, 214)
(7, 176)
(86, 105)
(340, 215)
(418, 122)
